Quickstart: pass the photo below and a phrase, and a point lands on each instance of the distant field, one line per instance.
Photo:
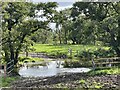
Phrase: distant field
(51, 49)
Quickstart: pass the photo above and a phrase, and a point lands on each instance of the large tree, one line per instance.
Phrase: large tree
(107, 17)
(20, 21)
(59, 19)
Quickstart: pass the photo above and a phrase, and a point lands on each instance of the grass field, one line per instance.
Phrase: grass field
(6, 81)
(104, 71)
(52, 49)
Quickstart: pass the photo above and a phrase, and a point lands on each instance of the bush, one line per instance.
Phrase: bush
(76, 64)
(61, 55)
(71, 64)
(99, 53)
(104, 53)
(70, 57)
(21, 59)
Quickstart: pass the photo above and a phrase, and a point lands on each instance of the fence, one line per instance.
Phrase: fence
(107, 62)
(2, 70)
(10, 67)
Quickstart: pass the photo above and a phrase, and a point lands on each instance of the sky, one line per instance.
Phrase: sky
(53, 0)
(62, 4)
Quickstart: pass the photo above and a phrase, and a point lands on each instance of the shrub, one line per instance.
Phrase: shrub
(82, 81)
(101, 53)
(61, 55)
(104, 53)
(76, 64)
(21, 59)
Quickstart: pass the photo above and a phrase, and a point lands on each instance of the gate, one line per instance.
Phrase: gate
(10, 66)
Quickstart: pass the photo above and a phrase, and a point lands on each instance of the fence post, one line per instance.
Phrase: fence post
(5, 73)
(77, 53)
(70, 51)
(93, 64)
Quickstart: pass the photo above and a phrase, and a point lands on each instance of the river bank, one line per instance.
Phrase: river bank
(73, 80)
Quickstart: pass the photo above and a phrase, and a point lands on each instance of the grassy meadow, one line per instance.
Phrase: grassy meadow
(53, 49)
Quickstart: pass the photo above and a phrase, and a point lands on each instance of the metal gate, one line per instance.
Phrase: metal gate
(10, 66)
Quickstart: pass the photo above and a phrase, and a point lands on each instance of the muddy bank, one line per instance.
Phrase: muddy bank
(75, 80)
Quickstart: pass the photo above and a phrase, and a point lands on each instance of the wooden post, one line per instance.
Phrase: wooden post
(70, 50)
(107, 62)
(5, 72)
(77, 53)
(93, 64)
(26, 54)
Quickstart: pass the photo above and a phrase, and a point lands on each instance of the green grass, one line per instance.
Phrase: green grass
(53, 49)
(105, 71)
(29, 59)
(6, 81)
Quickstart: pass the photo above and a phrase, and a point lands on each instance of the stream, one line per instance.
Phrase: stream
(50, 69)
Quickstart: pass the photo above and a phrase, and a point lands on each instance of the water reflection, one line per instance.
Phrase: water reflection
(52, 68)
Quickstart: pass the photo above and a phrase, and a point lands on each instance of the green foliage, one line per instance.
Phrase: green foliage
(104, 71)
(76, 63)
(104, 53)
(6, 81)
(19, 22)
(43, 36)
(98, 86)
(104, 26)
(82, 81)
(98, 53)
(29, 59)
(85, 23)
(63, 49)
(94, 84)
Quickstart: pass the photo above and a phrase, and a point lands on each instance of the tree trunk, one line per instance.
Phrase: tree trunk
(65, 40)
(114, 42)
(60, 37)
(117, 51)
(16, 58)
(6, 55)
(18, 49)
(118, 37)
(10, 45)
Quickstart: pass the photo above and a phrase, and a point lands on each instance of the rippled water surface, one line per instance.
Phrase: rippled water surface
(50, 69)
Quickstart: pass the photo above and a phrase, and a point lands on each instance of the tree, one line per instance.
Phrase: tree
(20, 21)
(106, 16)
(59, 19)
(42, 36)
(66, 25)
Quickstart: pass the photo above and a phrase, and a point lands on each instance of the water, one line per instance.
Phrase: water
(50, 70)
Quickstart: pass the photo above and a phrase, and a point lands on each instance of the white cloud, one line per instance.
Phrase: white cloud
(62, 8)
(53, 0)
(62, 5)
